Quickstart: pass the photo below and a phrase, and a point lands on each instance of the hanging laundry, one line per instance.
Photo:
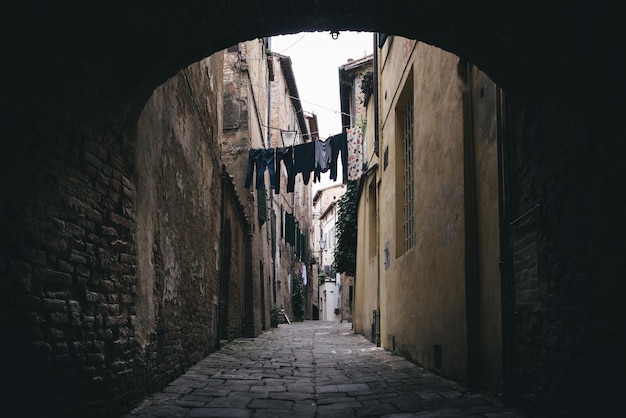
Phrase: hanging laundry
(355, 153)
(338, 146)
(285, 154)
(304, 160)
(259, 159)
(322, 158)
(303, 271)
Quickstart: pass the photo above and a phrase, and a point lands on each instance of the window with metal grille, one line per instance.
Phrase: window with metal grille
(408, 176)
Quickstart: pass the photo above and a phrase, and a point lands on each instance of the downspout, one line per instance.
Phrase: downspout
(506, 265)
(272, 220)
(375, 94)
(221, 256)
(471, 241)
(376, 151)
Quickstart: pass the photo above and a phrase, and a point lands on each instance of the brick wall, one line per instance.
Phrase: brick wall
(113, 281)
(562, 299)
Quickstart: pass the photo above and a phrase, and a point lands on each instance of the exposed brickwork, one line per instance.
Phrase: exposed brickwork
(559, 272)
(69, 268)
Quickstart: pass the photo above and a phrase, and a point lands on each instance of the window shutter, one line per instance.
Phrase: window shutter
(262, 205)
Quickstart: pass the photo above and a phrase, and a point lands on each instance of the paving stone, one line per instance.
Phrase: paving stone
(318, 370)
(355, 387)
(218, 412)
(291, 396)
(271, 404)
(230, 402)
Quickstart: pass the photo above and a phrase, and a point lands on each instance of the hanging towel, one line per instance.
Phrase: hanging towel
(355, 153)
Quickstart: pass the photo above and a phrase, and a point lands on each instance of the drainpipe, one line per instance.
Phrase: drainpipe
(506, 257)
(221, 258)
(375, 94)
(471, 240)
(376, 150)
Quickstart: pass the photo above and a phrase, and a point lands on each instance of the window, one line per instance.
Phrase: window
(372, 219)
(409, 191)
(405, 177)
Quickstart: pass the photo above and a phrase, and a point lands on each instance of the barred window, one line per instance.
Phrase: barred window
(405, 169)
(408, 176)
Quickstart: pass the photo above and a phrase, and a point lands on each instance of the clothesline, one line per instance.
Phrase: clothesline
(311, 157)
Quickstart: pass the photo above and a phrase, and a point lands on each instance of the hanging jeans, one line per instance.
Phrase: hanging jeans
(339, 145)
(285, 154)
(259, 159)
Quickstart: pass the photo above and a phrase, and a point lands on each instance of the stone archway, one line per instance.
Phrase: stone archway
(75, 60)
(75, 79)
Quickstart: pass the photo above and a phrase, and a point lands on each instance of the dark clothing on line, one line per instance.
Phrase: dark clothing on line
(259, 159)
(339, 145)
(304, 160)
(322, 158)
(285, 154)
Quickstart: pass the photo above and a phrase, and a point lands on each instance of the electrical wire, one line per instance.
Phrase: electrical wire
(321, 106)
(299, 39)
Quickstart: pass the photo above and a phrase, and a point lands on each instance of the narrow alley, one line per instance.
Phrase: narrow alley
(313, 369)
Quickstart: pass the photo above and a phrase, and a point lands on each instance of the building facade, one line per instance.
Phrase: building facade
(328, 302)
(262, 112)
(427, 282)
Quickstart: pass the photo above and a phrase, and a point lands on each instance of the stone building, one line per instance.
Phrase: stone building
(262, 110)
(291, 210)
(327, 304)
(427, 282)
(245, 113)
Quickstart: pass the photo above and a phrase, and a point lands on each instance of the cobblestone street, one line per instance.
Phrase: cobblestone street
(313, 369)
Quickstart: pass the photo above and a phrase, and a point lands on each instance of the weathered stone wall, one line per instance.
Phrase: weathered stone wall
(106, 256)
(68, 268)
(245, 107)
(178, 178)
(565, 317)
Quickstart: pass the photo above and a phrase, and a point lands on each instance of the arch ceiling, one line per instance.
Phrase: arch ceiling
(80, 57)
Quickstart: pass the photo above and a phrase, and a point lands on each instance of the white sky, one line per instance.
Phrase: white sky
(315, 59)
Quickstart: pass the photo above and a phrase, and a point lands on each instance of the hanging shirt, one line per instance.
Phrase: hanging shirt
(322, 158)
(304, 160)
(355, 153)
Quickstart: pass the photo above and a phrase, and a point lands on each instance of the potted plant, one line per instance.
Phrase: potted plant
(274, 315)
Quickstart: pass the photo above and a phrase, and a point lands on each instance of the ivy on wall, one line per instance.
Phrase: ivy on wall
(297, 298)
(345, 249)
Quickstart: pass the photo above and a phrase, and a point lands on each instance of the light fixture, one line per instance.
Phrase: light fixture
(334, 34)
(322, 243)
(289, 137)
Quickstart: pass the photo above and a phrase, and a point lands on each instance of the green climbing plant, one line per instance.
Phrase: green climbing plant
(345, 248)
(297, 298)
